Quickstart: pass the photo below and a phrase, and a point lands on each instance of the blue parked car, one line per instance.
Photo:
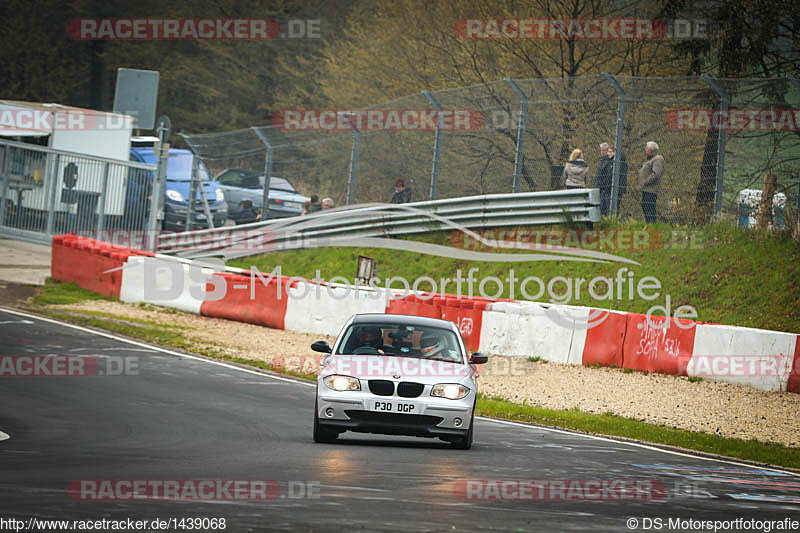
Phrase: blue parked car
(179, 175)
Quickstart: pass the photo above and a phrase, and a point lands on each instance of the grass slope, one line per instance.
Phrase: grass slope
(730, 276)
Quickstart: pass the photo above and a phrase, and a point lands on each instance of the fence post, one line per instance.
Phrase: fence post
(437, 146)
(351, 184)
(51, 209)
(267, 173)
(614, 206)
(523, 113)
(101, 223)
(721, 139)
(4, 195)
(157, 192)
(796, 84)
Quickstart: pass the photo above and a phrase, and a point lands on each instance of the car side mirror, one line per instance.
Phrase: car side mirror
(321, 346)
(478, 359)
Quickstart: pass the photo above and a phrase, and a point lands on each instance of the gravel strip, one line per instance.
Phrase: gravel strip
(707, 406)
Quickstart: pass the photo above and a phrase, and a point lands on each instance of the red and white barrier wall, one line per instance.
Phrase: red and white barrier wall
(767, 360)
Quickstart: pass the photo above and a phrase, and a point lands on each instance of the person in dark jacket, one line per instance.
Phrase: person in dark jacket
(401, 195)
(312, 205)
(247, 213)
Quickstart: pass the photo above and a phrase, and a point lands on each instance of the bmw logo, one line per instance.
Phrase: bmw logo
(396, 376)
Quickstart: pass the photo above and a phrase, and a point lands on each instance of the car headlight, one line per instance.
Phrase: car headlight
(174, 195)
(220, 195)
(342, 383)
(451, 391)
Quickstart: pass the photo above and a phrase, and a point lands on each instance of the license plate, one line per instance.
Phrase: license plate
(385, 406)
(200, 217)
(292, 204)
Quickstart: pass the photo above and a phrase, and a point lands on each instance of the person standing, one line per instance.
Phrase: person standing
(602, 179)
(650, 180)
(575, 171)
(311, 205)
(401, 195)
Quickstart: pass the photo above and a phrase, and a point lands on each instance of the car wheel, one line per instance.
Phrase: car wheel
(321, 434)
(465, 442)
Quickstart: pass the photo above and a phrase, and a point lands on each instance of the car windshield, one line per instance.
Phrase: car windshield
(179, 168)
(280, 184)
(421, 342)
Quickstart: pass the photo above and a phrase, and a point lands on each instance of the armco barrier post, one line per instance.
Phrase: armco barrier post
(723, 134)
(618, 142)
(437, 147)
(523, 113)
(267, 173)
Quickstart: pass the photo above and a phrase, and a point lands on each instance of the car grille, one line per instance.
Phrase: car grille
(409, 389)
(381, 387)
(396, 418)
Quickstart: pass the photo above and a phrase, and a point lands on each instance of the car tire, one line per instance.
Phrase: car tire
(465, 442)
(322, 435)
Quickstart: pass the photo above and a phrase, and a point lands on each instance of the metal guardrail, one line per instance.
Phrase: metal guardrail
(382, 220)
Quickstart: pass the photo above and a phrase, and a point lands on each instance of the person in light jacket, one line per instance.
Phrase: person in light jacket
(650, 180)
(575, 171)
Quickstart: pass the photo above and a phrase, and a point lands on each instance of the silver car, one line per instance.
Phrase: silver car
(397, 375)
(241, 186)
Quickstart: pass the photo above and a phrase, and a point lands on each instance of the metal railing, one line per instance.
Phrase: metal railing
(372, 220)
(45, 192)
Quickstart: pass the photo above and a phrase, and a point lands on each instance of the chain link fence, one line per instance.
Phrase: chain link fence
(525, 134)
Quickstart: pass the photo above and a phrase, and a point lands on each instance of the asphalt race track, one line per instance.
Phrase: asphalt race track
(183, 418)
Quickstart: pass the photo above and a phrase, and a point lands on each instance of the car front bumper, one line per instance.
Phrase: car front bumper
(175, 217)
(433, 417)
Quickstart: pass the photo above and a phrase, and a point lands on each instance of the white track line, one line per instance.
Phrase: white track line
(157, 348)
(638, 445)
(504, 422)
(4, 436)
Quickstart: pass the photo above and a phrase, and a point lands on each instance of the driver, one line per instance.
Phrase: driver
(401, 340)
(370, 336)
(432, 346)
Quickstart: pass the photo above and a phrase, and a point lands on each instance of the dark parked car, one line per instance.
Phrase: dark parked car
(240, 185)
